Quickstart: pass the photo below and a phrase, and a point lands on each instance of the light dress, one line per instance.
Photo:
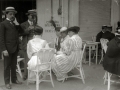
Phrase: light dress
(69, 58)
(33, 47)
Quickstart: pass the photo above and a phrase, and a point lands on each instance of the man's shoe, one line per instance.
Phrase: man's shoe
(17, 82)
(8, 86)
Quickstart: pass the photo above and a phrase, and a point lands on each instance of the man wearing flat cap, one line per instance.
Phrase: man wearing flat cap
(28, 27)
(9, 41)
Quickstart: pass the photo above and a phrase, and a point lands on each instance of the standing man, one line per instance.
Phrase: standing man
(28, 27)
(57, 39)
(9, 41)
(99, 36)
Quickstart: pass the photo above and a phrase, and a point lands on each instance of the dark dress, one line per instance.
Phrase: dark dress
(111, 61)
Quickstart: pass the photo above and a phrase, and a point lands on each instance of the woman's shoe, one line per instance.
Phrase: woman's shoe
(61, 80)
(24, 78)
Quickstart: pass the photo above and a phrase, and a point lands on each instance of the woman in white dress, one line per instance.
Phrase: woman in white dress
(33, 47)
(67, 60)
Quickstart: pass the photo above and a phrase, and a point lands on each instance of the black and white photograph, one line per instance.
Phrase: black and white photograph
(59, 44)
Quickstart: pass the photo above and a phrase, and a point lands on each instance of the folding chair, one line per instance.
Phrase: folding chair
(79, 67)
(45, 56)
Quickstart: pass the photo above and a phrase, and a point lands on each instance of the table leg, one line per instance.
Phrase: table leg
(96, 53)
(89, 55)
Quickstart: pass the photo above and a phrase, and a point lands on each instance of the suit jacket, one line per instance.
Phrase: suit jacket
(99, 36)
(108, 35)
(25, 34)
(111, 61)
(9, 37)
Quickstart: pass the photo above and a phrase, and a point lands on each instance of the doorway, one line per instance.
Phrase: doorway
(21, 6)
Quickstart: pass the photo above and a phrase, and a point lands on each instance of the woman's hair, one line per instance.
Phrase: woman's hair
(74, 29)
(57, 29)
(38, 30)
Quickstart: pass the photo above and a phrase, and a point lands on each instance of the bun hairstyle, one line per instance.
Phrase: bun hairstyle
(38, 30)
(74, 29)
(57, 29)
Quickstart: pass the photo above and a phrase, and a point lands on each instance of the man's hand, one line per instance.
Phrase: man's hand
(15, 21)
(5, 53)
(30, 27)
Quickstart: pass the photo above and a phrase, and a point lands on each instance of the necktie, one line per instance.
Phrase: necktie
(12, 23)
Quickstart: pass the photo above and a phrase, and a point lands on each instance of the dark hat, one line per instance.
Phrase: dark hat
(33, 12)
(9, 9)
(104, 26)
(74, 29)
(57, 28)
(38, 30)
(118, 23)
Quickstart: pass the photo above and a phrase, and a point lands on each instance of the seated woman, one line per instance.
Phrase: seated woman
(33, 47)
(66, 61)
(111, 61)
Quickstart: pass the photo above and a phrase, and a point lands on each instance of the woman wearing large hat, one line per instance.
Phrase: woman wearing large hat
(70, 55)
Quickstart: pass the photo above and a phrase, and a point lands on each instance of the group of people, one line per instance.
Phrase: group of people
(26, 40)
(111, 60)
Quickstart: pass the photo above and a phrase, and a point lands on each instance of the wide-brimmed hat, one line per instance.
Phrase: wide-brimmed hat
(63, 29)
(33, 12)
(9, 9)
(74, 29)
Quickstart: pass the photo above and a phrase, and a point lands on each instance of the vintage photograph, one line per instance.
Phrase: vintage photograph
(59, 44)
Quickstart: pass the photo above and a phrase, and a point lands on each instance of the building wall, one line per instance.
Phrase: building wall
(90, 15)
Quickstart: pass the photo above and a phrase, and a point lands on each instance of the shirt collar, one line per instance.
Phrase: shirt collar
(8, 19)
(30, 22)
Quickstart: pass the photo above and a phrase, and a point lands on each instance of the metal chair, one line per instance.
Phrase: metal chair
(45, 56)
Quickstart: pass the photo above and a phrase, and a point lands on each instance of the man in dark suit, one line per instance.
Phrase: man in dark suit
(58, 39)
(108, 33)
(28, 27)
(9, 37)
(99, 36)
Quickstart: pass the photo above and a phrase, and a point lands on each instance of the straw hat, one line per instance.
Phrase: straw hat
(74, 29)
(63, 29)
(9, 9)
(33, 11)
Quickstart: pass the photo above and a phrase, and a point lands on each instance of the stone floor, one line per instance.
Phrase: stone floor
(93, 81)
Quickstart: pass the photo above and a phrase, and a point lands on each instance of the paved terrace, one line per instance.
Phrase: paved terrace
(94, 81)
